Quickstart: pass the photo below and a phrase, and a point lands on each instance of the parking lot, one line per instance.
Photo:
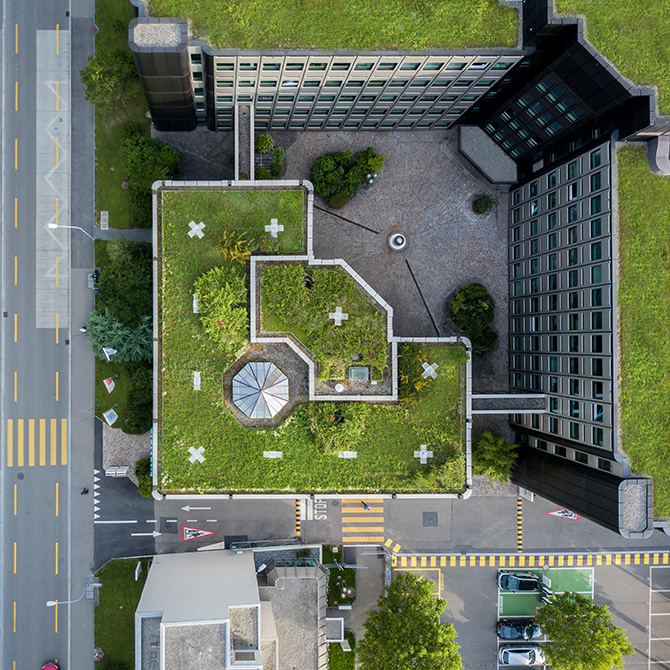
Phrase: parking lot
(638, 596)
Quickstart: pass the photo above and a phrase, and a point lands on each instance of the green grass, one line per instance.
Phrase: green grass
(115, 614)
(635, 36)
(644, 308)
(112, 18)
(385, 436)
(347, 24)
(288, 306)
(342, 660)
(348, 575)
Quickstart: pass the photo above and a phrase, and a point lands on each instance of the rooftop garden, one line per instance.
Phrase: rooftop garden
(346, 24)
(635, 36)
(384, 436)
(644, 310)
(299, 299)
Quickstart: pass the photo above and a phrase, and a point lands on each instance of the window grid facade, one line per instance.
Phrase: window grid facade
(356, 92)
(561, 301)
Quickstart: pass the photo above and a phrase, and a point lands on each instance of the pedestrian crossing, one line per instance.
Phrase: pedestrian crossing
(35, 442)
(363, 521)
(531, 561)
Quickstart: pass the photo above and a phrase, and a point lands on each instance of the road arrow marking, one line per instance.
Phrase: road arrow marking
(153, 533)
(188, 508)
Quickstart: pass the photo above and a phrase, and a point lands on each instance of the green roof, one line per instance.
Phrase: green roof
(347, 24)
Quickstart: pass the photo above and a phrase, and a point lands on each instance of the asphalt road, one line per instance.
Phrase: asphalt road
(47, 455)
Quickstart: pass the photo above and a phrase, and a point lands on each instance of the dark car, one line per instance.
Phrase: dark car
(518, 581)
(518, 629)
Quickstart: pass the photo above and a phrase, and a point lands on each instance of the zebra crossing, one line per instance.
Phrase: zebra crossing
(36, 442)
(363, 521)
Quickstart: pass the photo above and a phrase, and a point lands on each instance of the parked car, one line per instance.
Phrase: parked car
(531, 655)
(518, 581)
(51, 665)
(518, 629)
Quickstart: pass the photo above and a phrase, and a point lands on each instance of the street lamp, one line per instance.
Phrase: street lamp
(53, 603)
(58, 225)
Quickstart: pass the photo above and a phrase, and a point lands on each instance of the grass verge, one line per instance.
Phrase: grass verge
(644, 311)
(342, 660)
(635, 36)
(337, 578)
(112, 18)
(115, 614)
(385, 24)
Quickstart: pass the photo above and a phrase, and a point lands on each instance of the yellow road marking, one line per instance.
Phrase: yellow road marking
(31, 442)
(412, 561)
(63, 442)
(362, 529)
(423, 562)
(57, 38)
(396, 548)
(57, 317)
(364, 539)
(16, 327)
(14, 557)
(43, 442)
(16, 386)
(56, 498)
(357, 519)
(56, 566)
(16, 270)
(15, 497)
(403, 561)
(53, 441)
(16, 96)
(354, 510)
(522, 561)
(608, 559)
(56, 618)
(15, 616)
(19, 443)
(56, 386)
(388, 542)
(443, 561)
(16, 212)
(16, 154)
(16, 37)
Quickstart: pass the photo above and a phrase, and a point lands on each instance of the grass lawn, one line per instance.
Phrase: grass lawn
(334, 24)
(635, 36)
(115, 614)
(290, 306)
(347, 575)
(342, 660)
(112, 18)
(644, 309)
(384, 436)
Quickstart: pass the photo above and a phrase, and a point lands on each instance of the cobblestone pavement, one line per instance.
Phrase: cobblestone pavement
(425, 190)
(119, 448)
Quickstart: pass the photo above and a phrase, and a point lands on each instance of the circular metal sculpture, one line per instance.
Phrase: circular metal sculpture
(397, 241)
(260, 390)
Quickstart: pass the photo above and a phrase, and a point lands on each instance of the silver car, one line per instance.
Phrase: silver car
(527, 655)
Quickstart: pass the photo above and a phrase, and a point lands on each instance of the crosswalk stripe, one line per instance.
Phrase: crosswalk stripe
(361, 519)
(54, 437)
(10, 443)
(43, 441)
(361, 510)
(31, 442)
(19, 443)
(363, 539)
(363, 529)
(63, 441)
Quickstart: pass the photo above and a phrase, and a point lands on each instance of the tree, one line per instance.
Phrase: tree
(472, 309)
(106, 75)
(493, 457)
(405, 632)
(581, 635)
(131, 344)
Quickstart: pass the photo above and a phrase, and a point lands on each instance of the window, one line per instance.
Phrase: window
(573, 300)
(541, 444)
(363, 66)
(596, 204)
(553, 303)
(605, 465)
(553, 343)
(595, 181)
(516, 234)
(534, 285)
(553, 384)
(573, 278)
(432, 66)
(573, 322)
(355, 83)
(553, 405)
(318, 66)
(533, 247)
(305, 98)
(597, 367)
(455, 66)
(553, 322)
(573, 256)
(573, 344)
(596, 228)
(596, 297)
(574, 434)
(517, 270)
(196, 58)
(597, 390)
(595, 159)
(311, 83)
(596, 344)
(553, 282)
(248, 83)
(271, 66)
(551, 180)
(326, 98)
(580, 456)
(535, 343)
(286, 98)
(596, 274)
(573, 213)
(534, 266)
(598, 436)
(572, 191)
(333, 83)
(553, 363)
(596, 251)
(551, 200)
(268, 83)
(248, 67)
(533, 207)
(574, 365)
(598, 411)
(387, 66)
(558, 449)
(339, 66)
(533, 189)
(517, 288)
(516, 215)
(551, 220)
(552, 261)
(552, 240)
(225, 66)
(574, 386)
(533, 227)
(572, 170)
(574, 409)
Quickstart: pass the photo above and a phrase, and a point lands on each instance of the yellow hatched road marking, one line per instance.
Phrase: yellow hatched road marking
(443, 561)
(511, 561)
(10, 444)
(363, 519)
(617, 559)
(31, 442)
(63, 441)
(452, 561)
(665, 558)
(589, 560)
(482, 561)
(462, 561)
(396, 548)
(646, 559)
(473, 561)
(363, 529)
(571, 560)
(388, 542)
(655, 559)
(364, 539)
(502, 561)
(19, 443)
(423, 561)
(561, 561)
(43, 442)
(492, 561)
(412, 561)
(54, 439)
(403, 561)
(433, 561)
(608, 559)
(531, 561)
(522, 561)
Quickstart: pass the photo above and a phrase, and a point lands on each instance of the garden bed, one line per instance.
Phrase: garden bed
(338, 578)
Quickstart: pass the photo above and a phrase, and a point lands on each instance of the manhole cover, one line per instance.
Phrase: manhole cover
(429, 519)
(20, 475)
(336, 503)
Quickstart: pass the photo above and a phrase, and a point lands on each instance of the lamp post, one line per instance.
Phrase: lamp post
(58, 225)
(53, 603)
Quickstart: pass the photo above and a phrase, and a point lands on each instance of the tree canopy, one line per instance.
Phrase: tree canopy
(492, 456)
(405, 632)
(106, 75)
(131, 344)
(472, 309)
(581, 635)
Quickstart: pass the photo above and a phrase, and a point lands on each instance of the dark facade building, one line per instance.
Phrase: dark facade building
(556, 108)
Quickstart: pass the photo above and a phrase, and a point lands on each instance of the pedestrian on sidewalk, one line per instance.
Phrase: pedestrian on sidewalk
(84, 491)
(366, 507)
(82, 330)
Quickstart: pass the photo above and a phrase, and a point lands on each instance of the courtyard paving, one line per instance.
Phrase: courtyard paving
(425, 190)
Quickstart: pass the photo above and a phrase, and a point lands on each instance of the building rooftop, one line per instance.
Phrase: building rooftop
(333, 24)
